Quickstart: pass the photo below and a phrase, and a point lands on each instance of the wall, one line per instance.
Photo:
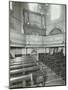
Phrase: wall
(45, 40)
(50, 24)
(15, 25)
(59, 22)
(17, 38)
(15, 17)
(39, 50)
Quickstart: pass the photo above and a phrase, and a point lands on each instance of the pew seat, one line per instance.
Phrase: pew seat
(22, 66)
(34, 68)
(20, 78)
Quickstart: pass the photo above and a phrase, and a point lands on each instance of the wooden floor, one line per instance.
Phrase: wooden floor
(52, 79)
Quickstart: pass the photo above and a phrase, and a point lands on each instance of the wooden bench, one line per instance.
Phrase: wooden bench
(23, 79)
(23, 61)
(34, 68)
(22, 66)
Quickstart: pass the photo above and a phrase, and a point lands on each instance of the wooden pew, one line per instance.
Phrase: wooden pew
(56, 62)
(23, 79)
(22, 66)
(25, 66)
(34, 68)
(23, 61)
(20, 78)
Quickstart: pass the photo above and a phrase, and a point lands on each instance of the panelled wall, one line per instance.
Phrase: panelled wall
(15, 28)
(45, 41)
(34, 41)
(44, 44)
(15, 17)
